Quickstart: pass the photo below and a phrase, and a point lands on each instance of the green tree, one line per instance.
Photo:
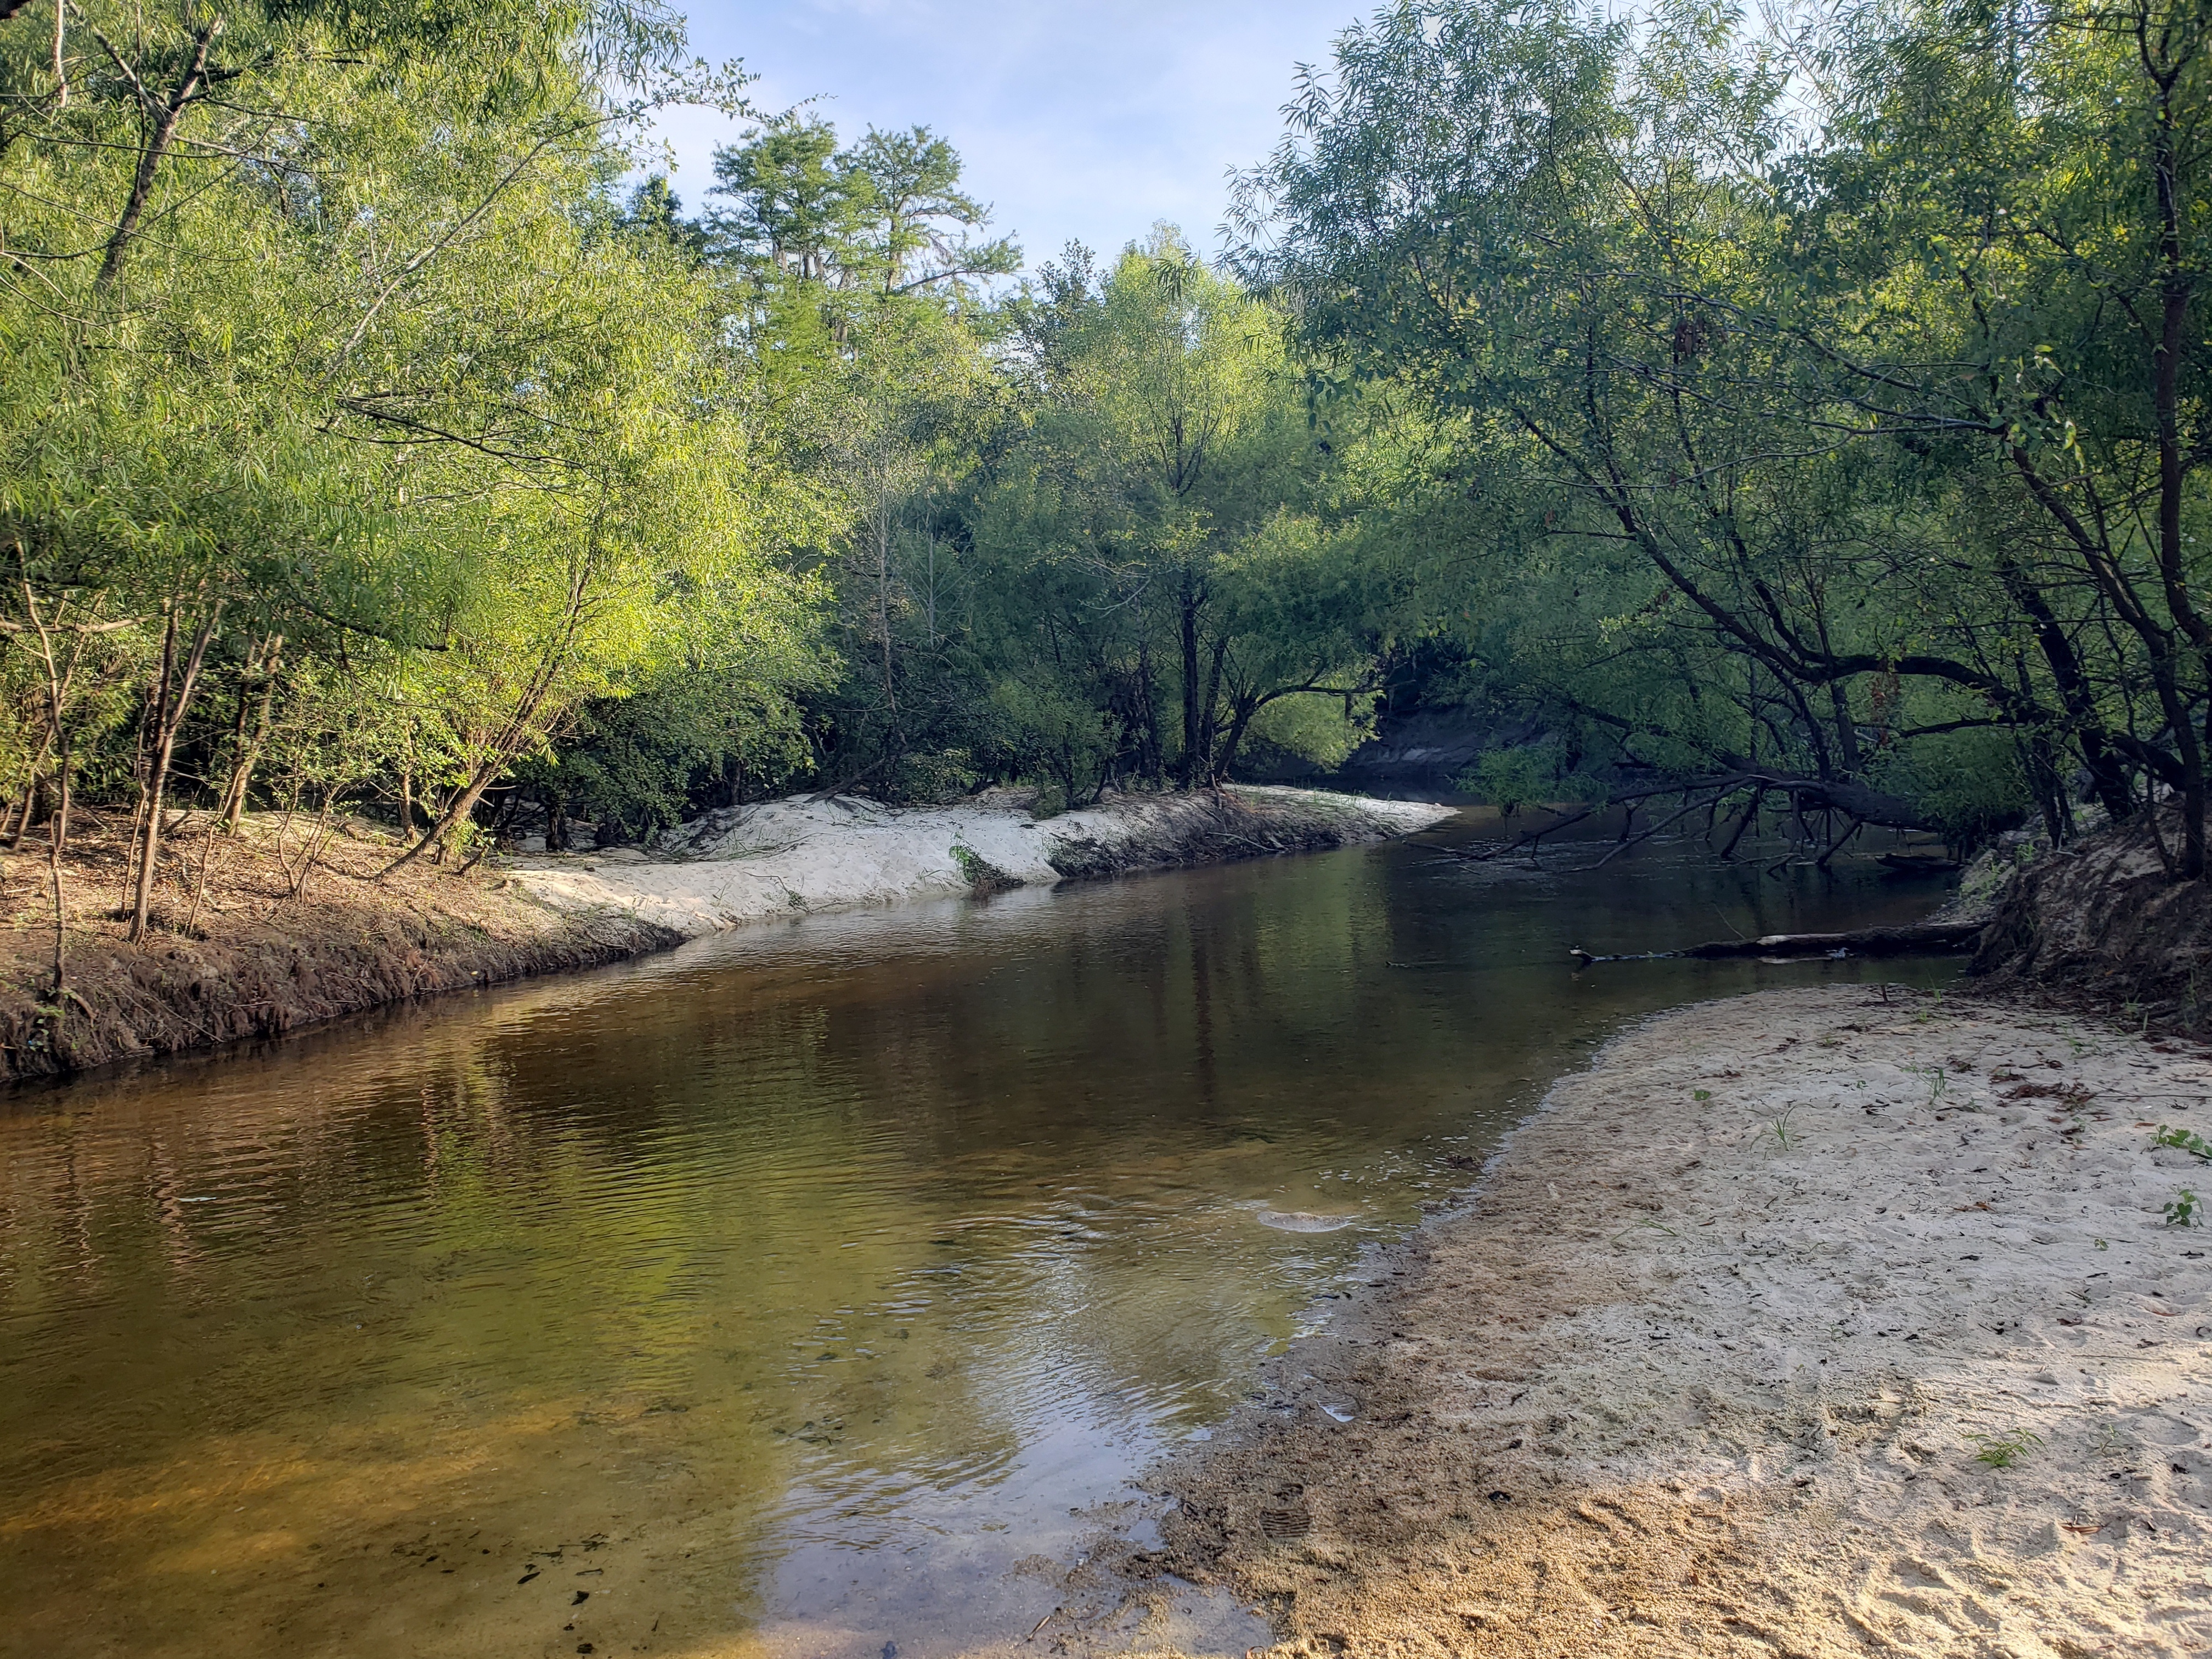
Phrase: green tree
(1747, 442)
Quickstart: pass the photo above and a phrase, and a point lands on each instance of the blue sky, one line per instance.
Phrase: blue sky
(1083, 119)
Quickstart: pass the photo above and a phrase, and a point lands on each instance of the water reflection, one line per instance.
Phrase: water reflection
(777, 1295)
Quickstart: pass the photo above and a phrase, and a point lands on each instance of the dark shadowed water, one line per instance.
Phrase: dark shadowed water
(779, 1296)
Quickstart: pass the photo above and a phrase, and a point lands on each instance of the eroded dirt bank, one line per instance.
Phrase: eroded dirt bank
(265, 946)
(1807, 1324)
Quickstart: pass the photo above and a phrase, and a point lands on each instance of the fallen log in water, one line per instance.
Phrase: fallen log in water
(1915, 938)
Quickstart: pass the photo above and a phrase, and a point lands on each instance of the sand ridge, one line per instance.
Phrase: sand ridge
(1808, 1323)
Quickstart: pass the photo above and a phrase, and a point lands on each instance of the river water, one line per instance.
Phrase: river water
(790, 1294)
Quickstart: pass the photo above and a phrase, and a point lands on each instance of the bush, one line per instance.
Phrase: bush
(1526, 776)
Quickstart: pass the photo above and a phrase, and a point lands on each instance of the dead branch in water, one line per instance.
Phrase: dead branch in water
(1916, 938)
(1859, 805)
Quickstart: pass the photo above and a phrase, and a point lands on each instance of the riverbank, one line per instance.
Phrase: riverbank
(264, 945)
(804, 855)
(1813, 1322)
(254, 939)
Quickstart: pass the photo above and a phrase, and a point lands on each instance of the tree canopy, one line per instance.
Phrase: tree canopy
(1814, 409)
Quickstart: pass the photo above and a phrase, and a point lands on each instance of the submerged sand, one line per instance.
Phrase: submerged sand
(1811, 1322)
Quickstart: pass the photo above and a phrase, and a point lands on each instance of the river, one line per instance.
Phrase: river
(785, 1295)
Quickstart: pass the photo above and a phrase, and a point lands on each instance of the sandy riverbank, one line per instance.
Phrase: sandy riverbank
(1805, 1323)
(804, 855)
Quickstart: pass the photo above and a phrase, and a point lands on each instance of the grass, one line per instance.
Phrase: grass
(1648, 1222)
(2001, 1451)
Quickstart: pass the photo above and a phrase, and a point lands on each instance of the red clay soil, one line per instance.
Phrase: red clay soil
(255, 958)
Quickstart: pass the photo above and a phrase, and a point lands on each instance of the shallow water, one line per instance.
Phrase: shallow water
(781, 1295)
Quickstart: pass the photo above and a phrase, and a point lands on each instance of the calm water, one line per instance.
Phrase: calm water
(779, 1296)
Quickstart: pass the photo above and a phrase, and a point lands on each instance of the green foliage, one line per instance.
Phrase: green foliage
(1724, 455)
(371, 436)
(1526, 775)
(2003, 1450)
(2183, 1140)
(1970, 784)
(1171, 551)
(304, 501)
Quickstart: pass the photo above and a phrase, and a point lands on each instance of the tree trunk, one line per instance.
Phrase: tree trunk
(456, 812)
(57, 844)
(1192, 752)
(58, 683)
(1246, 708)
(248, 752)
(169, 716)
(1148, 712)
(1215, 767)
(2106, 776)
(166, 122)
(1847, 728)
(499, 754)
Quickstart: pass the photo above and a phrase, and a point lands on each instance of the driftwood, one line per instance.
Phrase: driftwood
(1918, 939)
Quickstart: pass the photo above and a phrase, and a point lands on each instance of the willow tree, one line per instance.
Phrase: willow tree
(1816, 392)
(1167, 525)
(2036, 188)
(325, 351)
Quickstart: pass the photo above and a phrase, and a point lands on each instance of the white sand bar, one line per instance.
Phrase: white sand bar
(803, 854)
(1801, 1323)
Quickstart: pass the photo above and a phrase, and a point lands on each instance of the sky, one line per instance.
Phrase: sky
(1081, 119)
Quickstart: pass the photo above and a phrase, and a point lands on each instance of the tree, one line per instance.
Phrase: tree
(1168, 512)
(384, 424)
(1772, 367)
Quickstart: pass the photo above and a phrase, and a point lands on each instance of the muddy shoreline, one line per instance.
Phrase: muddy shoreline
(1807, 1322)
(255, 953)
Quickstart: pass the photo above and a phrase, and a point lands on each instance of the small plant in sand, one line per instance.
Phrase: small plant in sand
(2108, 1439)
(2182, 1211)
(1781, 1128)
(2001, 1451)
(1648, 1222)
(2183, 1141)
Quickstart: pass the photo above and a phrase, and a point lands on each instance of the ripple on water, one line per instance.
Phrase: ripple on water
(1303, 1221)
